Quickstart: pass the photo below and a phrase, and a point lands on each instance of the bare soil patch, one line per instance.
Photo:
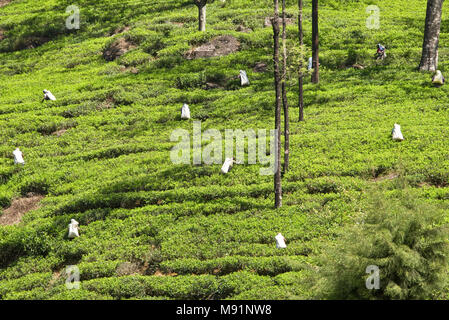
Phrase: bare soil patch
(4, 2)
(132, 70)
(118, 48)
(59, 132)
(260, 67)
(128, 269)
(242, 28)
(217, 47)
(2, 35)
(424, 185)
(55, 278)
(212, 85)
(120, 30)
(19, 207)
(358, 66)
(158, 273)
(34, 42)
(390, 176)
(178, 24)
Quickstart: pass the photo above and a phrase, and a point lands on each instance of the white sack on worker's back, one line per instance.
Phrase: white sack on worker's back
(438, 78)
(73, 229)
(310, 66)
(49, 96)
(227, 165)
(18, 156)
(397, 134)
(280, 241)
(244, 81)
(185, 112)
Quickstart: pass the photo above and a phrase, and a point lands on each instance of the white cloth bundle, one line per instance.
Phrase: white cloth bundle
(280, 241)
(73, 229)
(438, 78)
(185, 112)
(49, 96)
(397, 134)
(18, 157)
(244, 81)
(227, 165)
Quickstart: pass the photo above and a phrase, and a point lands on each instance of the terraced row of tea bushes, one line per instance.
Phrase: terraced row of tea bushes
(270, 266)
(38, 286)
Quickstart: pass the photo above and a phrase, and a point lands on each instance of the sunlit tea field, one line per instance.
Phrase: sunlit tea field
(152, 229)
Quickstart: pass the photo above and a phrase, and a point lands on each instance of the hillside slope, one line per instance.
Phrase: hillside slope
(150, 229)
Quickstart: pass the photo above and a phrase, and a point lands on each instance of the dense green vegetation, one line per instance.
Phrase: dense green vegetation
(154, 230)
(404, 238)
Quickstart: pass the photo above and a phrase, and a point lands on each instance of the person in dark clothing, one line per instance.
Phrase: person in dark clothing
(380, 52)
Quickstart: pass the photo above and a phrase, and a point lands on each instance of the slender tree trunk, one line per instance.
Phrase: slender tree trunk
(284, 92)
(429, 58)
(301, 78)
(315, 43)
(202, 17)
(277, 83)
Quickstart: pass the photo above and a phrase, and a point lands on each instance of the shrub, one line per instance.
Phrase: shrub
(134, 58)
(191, 81)
(35, 184)
(405, 238)
(5, 201)
(125, 97)
(25, 241)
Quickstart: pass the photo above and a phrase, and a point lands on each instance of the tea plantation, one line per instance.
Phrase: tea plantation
(150, 229)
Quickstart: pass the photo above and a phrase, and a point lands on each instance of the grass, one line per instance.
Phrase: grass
(111, 170)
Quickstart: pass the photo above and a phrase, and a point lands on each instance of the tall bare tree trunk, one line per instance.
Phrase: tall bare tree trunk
(284, 92)
(429, 58)
(202, 17)
(277, 83)
(315, 43)
(301, 78)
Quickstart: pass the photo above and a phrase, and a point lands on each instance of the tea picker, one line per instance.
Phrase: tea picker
(48, 96)
(185, 112)
(18, 157)
(280, 241)
(310, 65)
(381, 52)
(244, 81)
(73, 229)
(227, 165)
(396, 133)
